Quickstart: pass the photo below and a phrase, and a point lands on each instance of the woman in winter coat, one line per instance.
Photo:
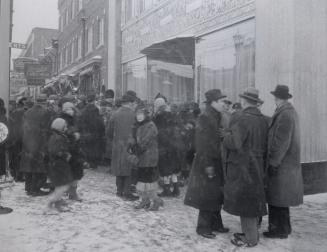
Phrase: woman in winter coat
(168, 143)
(59, 170)
(205, 189)
(146, 150)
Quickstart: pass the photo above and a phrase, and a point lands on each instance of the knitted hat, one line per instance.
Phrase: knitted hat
(59, 124)
(67, 107)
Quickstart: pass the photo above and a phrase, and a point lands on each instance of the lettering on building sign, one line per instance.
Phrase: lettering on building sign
(191, 16)
(145, 30)
(193, 6)
(166, 20)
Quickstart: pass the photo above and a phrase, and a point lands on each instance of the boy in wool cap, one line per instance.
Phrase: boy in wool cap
(59, 171)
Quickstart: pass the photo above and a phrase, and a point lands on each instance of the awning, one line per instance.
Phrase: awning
(77, 69)
(179, 50)
(86, 71)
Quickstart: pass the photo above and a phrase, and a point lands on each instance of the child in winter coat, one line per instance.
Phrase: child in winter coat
(60, 172)
(146, 150)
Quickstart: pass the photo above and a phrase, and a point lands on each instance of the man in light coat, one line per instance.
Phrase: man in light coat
(285, 183)
(120, 132)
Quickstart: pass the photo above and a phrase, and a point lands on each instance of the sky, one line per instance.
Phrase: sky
(32, 13)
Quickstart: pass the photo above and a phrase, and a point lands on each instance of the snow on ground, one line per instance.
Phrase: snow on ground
(104, 222)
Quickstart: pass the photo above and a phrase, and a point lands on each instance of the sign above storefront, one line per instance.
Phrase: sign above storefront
(37, 71)
(35, 82)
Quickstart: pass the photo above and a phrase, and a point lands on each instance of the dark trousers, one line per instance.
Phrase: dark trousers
(2, 161)
(209, 221)
(34, 181)
(123, 184)
(14, 162)
(279, 219)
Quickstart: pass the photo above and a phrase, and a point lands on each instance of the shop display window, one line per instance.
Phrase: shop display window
(225, 59)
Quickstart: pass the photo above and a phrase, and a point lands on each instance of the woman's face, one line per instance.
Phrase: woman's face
(140, 116)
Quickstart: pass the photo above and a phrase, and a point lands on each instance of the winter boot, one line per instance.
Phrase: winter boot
(166, 192)
(72, 194)
(5, 210)
(145, 203)
(61, 206)
(176, 191)
(157, 202)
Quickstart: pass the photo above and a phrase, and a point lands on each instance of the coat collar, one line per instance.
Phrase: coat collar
(252, 111)
(285, 106)
(211, 111)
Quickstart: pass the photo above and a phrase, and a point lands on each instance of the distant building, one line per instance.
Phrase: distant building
(40, 50)
(38, 40)
(83, 43)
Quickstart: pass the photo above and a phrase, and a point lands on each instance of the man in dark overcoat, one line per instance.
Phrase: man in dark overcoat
(35, 136)
(120, 133)
(205, 190)
(246, 143)
(285, 182)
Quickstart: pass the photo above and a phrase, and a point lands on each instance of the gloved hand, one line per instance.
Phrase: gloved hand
(223, 132)
(86, 165)
(68, 157)
(210, 171)
(272, 171)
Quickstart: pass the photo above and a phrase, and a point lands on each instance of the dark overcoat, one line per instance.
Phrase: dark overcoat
(206, 193)
(246, 146)
(110, 110)
(147, 142)
(92, 131)
(285, 188)
(59, 168)
(168, 143)
(78, 157)
(120, 131)
(35, 137)
(3, 119)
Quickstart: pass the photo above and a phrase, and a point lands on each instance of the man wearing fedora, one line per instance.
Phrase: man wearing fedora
(246, 143)
(120, 130)
(285, 183)
(205, 189)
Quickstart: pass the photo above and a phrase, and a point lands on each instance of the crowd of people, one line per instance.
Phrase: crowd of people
(230, 156)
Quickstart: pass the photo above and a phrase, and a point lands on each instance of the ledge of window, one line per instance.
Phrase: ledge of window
(99, 46)
(88, 53)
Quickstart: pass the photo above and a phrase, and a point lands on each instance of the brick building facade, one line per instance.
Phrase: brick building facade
(82, 50)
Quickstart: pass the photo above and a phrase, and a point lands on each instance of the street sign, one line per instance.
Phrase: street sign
(37, 71)
(18, 45)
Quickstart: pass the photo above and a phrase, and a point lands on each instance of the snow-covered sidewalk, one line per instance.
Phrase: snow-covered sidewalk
(104, 222)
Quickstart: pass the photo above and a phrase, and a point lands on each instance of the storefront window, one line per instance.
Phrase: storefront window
(175, 81)
(135, 77)
(226, 60)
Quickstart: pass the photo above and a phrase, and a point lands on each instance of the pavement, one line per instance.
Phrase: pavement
(103, 222)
